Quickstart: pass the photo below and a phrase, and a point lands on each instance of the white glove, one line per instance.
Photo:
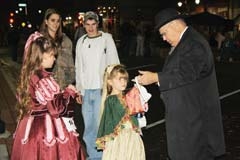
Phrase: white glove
(144, 95)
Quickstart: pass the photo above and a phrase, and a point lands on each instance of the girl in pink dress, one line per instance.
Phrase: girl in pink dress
(45, 129)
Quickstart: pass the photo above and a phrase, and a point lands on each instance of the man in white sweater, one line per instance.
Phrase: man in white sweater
(94, 51)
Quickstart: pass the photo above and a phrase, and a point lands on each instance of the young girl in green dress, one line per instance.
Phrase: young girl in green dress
(119, 133)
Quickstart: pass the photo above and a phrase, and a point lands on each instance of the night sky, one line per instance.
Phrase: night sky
(64, 6)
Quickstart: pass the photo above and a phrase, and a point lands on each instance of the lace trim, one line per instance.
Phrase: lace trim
(100, 142)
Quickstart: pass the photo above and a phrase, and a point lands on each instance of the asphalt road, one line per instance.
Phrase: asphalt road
(154, 136)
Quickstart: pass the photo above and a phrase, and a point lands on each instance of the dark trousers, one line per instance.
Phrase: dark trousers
(78, 120)
(2, 126)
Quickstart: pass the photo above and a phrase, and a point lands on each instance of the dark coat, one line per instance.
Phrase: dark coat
(189, 90)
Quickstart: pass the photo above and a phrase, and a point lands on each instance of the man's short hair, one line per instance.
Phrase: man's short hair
(90, 15)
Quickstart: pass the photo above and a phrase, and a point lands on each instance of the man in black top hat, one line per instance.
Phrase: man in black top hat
(189, 90)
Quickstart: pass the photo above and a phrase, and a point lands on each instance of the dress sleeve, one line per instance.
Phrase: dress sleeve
(47, 93)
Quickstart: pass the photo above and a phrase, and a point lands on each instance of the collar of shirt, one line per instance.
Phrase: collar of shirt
(183, 32)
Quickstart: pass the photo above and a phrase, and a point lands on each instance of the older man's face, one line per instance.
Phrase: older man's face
(169, 33)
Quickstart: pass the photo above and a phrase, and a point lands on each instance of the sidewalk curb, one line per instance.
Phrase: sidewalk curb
(4, 153)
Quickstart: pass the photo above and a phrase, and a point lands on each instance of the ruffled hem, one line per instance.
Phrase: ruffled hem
(100, 142)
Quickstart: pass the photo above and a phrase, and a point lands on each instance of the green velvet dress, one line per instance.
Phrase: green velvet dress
(119, 134)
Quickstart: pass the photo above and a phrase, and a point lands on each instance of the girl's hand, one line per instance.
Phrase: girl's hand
(72, 87)
(79, 98)
(78, 94)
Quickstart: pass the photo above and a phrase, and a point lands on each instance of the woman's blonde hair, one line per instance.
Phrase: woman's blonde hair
(110, 72)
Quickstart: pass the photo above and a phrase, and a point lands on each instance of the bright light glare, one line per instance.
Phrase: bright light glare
(179, 4)
(197, 1)
(23, 24)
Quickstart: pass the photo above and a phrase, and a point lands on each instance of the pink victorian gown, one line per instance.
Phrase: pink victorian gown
(47, 132)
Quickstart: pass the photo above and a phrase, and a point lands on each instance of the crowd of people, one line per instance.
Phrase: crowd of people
(72, 103)
(228, 48)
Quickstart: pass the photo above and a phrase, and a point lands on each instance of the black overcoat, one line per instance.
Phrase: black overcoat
(189, 90)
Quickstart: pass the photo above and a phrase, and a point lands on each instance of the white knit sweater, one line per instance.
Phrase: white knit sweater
(93, 54)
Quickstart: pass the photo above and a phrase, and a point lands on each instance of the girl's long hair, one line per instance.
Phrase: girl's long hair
(110, 72)
(31, 66)
(44, 28)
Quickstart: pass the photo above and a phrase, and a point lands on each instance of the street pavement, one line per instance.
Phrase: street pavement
(154, 136)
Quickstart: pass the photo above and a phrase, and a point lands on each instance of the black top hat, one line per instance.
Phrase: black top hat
(165, 16)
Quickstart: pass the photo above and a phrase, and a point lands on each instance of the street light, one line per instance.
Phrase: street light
(11, 19)
(23, 5)
(197, 1)
(179, 4)
(186, 5)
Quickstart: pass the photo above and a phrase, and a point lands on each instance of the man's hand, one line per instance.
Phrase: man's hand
(146, 77)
